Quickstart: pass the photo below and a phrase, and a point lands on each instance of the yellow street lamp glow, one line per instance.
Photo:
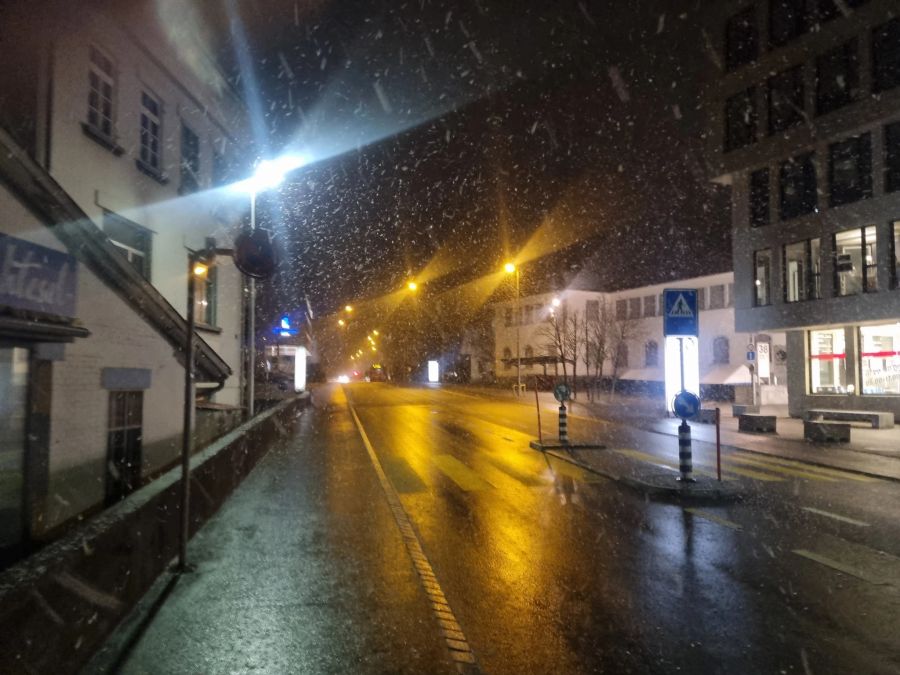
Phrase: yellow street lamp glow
(348, 308)
(200, 269)
(412, 285)
(509, 268)
(375, 333)
(374, 349)
(341, 322)
(556, 302)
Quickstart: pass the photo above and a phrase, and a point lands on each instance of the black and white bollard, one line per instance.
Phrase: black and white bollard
(684, 452)
(563, 426)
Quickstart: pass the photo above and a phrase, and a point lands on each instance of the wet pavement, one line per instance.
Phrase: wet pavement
(411, 529)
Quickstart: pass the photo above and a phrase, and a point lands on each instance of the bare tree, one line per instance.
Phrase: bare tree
(598, 341)
(557, 338)
(622, 331)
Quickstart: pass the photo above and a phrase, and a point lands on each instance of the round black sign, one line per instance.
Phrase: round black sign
(254, 253)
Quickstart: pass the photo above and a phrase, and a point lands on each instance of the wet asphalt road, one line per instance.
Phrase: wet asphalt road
(545, 567)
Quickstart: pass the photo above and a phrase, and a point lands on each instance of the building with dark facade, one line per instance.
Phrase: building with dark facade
(806, 130)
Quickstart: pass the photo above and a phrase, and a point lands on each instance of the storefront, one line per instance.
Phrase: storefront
(38, 288)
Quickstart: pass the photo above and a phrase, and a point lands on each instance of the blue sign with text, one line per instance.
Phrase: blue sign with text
(680, 316)
(36, 278)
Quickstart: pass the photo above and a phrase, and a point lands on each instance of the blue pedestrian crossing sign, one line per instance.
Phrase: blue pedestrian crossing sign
(680, 316)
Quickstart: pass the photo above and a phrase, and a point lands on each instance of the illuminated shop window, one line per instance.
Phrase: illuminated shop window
(827, 361)
(880, 358)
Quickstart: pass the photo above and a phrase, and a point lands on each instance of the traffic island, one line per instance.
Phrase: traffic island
(556, 445)
(648, 479)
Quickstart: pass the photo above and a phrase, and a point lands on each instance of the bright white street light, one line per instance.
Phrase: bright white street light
(270, 173)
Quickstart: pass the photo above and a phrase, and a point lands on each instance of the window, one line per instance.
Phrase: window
(731, 295)
(717, 296)
(787, 20)
(892, 157)
(797, 186)
(621, 309)
(150, 125)
(855, 266)
(741, 39)
(759, 198)
(528, 314)
(592, 310)
(850, 170)
(508, 316)
(785, 98)
(721, 351)
(529, 352)
(701, 299)
(101, 85)
(896, 254)
(827, 362)
(634, 308)
(880, 358)
(651, 354)
(135, 242)
(205, 297)
(762, 277)
(190, 160)
(14, 448)
(837, 77)
(802, 269)
(740, 119)
(123, 444)
(886, 56)
(621, 356)
(650, 305)
(507, 358)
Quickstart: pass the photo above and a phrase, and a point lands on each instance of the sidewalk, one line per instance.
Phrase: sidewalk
(871, 452)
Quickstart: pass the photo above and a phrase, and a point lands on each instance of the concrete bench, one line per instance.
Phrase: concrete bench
(738, 409)
(826, 432)
(878, 420)
(706, 416)
(762, 424)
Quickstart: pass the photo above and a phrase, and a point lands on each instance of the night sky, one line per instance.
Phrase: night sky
(461, 128)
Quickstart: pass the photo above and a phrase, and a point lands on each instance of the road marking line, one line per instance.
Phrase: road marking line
(668, 464)
(836, 473)
(752, 461)
(458, 645)
(460, 474)
(836, 565)
(714, 518)
(828, 514)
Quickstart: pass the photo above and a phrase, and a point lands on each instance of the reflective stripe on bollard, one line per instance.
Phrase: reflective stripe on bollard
(684, 451)
(563, 425)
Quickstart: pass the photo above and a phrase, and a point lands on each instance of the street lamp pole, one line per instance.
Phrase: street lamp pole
(518, 330)
(251, 324)
(187, 435)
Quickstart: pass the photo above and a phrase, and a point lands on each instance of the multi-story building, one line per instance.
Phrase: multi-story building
(114, 127)
(806, 130)
(633, 324)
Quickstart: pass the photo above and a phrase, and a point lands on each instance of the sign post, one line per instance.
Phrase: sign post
(681, 321)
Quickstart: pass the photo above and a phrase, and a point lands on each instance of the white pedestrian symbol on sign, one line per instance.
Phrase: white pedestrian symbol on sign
(681, 309)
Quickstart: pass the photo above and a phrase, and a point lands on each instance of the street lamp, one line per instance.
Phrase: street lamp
(510, 268)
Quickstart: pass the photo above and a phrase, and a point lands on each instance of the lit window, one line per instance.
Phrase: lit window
(828, 361)
(880, 358)
(101, 85)
(205, 297)
(802, 269)
(762, 277)
(856, 261)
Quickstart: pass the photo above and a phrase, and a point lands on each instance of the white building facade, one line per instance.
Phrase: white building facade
(640, 362)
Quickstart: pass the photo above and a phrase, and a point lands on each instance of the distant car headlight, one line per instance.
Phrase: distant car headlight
(343, 379)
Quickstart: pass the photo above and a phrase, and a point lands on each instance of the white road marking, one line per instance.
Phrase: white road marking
(714, 518)
(835, 516)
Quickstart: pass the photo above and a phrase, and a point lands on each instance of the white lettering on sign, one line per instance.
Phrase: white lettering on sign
(680, 308)
(27, 279)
